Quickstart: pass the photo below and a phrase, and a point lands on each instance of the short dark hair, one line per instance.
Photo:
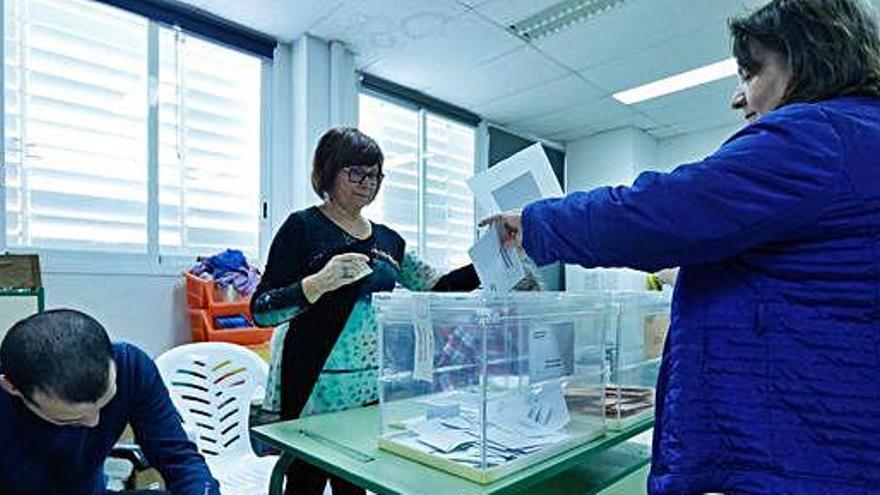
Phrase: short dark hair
(831, 46)
(62, 353)
(341, 147)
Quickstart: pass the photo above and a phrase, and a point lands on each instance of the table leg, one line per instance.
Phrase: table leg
(276, 483)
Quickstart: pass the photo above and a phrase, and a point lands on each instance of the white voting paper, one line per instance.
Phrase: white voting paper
(543, 413)
(440, 437)
(518, 425)
(551, 351)
(515, 182)
(499, 267)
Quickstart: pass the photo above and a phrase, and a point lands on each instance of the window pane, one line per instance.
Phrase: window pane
(209, 147)
(75, 108)
(446, 200)
(396, 129)
(449, 202)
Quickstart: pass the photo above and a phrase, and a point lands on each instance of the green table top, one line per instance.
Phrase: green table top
(345, 444)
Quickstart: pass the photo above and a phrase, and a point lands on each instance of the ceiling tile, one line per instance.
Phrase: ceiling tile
(596, 114)
(705, 106)
(539, 100)
(282, 19)
(671, 57)
(384, 28)
(712, 97)
(575, 132)
(635, 26)
(508, 74)
(437, 60)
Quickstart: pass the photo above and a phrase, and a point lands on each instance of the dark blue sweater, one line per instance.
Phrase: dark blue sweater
(37, 457)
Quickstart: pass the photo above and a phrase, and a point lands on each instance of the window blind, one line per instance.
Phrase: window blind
(209, 146)
(76, 105)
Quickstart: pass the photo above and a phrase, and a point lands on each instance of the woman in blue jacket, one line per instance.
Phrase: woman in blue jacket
(770, 382)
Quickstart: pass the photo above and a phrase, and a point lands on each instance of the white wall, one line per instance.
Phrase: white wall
(149, 310)
(689, 148)
(606, 159)
(617, 157)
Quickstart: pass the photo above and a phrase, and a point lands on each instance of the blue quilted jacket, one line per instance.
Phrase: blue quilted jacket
(770, 382)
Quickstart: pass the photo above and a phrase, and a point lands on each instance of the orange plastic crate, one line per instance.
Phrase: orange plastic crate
(205, 304)
(198, 291)
(203, 330)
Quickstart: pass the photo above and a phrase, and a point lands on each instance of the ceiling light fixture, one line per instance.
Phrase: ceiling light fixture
(678, 82)
(560, 16)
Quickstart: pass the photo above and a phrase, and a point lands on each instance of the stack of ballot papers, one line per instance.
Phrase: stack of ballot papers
(517, 425)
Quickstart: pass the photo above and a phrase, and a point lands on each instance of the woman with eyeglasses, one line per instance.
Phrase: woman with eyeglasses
(323, 265)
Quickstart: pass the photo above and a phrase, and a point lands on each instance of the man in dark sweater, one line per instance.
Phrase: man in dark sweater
(66, 394)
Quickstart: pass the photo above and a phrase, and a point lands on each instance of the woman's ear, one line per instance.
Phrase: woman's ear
(6, 385)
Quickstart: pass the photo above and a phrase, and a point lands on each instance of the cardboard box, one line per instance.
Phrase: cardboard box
(20, 271)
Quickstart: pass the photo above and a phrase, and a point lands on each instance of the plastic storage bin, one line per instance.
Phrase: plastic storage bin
(482, 386)
(638, 322)
(207, 303)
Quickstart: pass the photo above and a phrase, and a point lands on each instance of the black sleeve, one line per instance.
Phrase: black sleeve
(279, 297)
(462, 279)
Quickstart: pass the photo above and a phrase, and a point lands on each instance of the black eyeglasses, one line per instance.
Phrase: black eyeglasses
(357, 175)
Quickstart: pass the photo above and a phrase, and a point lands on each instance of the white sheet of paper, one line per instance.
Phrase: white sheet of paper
(554, 415)
(499, 267)
(444, 439)
(541, 414)
(515, 182)
(551, 351)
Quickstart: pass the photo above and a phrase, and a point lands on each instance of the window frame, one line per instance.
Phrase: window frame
(151, 261)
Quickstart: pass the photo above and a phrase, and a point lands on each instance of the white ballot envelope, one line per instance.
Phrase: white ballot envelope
(499, 267)
(515, 182)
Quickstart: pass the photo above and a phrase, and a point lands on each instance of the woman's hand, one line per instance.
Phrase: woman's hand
(341, 270)
(510, 227)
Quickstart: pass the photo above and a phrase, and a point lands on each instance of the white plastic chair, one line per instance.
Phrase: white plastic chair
(211, 385)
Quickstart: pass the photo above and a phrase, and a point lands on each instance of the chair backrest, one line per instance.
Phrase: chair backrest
(211, 385)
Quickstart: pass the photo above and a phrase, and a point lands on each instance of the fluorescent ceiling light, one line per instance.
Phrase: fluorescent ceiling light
(559, 16)
(678, 82)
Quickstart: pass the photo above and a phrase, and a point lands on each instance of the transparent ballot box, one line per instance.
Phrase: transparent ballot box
(481, 386)
(638, 322)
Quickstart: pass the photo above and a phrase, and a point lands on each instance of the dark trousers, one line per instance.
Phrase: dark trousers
(305, 479)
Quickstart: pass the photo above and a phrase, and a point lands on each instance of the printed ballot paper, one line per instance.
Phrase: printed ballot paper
(515, 182)
(499, 267)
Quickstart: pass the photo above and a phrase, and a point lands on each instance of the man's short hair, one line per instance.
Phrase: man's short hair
(62, 353)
